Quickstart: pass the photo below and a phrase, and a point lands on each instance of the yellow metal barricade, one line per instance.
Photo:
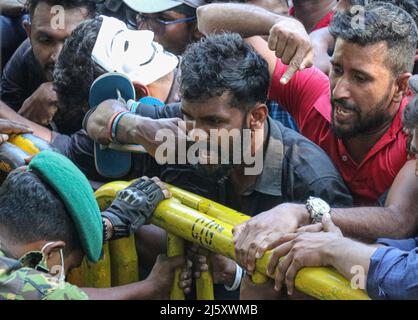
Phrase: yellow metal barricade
(197, 220)
(175, 247)
(216, 235)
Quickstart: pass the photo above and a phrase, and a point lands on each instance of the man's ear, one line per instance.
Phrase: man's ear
(402, 87)
(28, 27)
(141, 90)
(54, 248)
(258, 116)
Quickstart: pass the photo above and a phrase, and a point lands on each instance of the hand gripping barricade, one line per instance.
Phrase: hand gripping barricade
(188, 217)
(185, 217)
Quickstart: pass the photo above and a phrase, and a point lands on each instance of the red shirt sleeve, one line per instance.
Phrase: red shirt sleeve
(307, 92)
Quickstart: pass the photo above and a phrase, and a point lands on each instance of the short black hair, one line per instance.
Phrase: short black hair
(90, 5)
(224, 63)
(31, 211)
(75, 72)
(383, 22)
(410, 6)
(410, 114)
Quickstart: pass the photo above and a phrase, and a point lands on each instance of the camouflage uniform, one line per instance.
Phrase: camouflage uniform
(19, 283)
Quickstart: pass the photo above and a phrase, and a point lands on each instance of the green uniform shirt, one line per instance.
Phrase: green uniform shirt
(19, 283)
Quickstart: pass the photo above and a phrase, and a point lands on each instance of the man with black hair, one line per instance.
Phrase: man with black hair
(49, 220)
(355, 116)
(224, 87)
(172, 21)
(26, 84)
(324, 42)
(81, 62)
(389, 266)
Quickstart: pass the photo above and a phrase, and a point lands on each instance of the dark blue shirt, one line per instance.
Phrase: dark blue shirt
(393, 271)
(294, 169)
(21, 77)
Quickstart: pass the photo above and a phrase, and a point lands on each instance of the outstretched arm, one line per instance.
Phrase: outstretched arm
(9, 114)
(287, 36)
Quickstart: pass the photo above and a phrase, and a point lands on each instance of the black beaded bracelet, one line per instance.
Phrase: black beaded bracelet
(105, 231)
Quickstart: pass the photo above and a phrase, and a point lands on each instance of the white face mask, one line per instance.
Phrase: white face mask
(131, 52)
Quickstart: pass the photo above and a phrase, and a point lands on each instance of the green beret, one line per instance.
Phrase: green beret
(77, 195)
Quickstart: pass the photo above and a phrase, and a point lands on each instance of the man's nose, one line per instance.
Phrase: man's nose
(56, 52)
(341, 89)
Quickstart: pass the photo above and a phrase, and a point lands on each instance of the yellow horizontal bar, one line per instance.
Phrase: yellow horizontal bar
(29, 143)
(209, 207)
(216, 235)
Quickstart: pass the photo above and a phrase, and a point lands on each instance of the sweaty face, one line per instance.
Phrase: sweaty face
(175, 37)
(223, 124)
(362, 89)
(49, 30)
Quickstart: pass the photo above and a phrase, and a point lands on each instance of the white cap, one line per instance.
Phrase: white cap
(131, 52)
(154, 6)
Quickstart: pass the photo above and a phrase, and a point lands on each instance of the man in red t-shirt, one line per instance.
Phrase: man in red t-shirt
(323, 42)
(355, 116)
(313, 14)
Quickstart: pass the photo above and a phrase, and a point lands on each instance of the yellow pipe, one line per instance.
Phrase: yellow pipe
(29, 143)
(208, 207)
(97, 275)
(259, 278)
(216, 235)
(123, 261)
(11, 157)
(175, 247)
(123, 257)
(204, 284)
(215, 210)
(107, 193)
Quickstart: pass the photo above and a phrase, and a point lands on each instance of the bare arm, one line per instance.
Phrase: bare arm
(319, 249)
(247, 20)
(132, 128)
(344, 254)
(136, 291)
(156, 286)
(287, 36)
(397, 220)
(9, 114)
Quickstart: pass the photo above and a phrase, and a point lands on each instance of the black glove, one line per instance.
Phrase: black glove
(133, 207)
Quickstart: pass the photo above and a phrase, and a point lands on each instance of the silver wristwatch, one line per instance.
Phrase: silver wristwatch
(317, 208)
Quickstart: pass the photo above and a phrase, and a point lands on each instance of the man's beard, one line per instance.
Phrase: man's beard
(220, 172)
(364, 122)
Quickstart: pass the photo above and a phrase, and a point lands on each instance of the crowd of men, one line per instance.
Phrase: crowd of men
(324, 89)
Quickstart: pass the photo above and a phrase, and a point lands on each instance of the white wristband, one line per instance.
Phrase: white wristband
(237, 281)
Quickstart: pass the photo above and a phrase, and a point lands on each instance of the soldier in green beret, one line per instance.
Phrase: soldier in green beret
(49, 220)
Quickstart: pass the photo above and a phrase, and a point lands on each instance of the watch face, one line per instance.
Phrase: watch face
(320, 205)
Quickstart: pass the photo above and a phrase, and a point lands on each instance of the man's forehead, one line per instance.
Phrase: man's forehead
(210, 106)
(370, 58)
(56, 20)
